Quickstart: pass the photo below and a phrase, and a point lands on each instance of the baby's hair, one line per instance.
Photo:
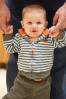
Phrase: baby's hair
(33, 6)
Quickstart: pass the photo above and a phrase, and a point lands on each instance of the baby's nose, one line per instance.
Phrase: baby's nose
(34, 25)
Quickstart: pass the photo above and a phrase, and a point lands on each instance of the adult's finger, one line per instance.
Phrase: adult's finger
(61, 24)
(55, 19)
(3, 24)
(8, 16)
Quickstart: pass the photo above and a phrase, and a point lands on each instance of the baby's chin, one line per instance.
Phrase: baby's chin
(34, 36)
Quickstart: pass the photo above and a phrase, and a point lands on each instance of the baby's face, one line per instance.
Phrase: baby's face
(34, 23)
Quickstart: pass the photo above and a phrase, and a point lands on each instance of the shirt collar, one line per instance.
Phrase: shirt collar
(42, 36)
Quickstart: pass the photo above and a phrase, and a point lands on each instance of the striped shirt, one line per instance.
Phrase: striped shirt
(33, 56)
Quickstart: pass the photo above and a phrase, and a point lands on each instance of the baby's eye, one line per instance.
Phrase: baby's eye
(38, 23)
(29, 23)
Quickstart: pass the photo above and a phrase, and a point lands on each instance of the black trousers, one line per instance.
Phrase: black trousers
(58, 73)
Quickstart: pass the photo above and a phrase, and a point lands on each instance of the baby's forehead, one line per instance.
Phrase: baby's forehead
(34, 15)
(33, 10)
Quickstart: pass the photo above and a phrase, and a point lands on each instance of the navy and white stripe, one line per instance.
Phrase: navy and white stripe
(39, 60)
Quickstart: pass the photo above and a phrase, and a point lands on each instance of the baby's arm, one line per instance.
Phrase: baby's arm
(11, 43)
(60, 40)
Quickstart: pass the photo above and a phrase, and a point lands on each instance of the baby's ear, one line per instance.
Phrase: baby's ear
(46, 24)
(22, 23)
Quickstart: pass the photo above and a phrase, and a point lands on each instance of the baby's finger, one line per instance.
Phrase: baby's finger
(54, 34)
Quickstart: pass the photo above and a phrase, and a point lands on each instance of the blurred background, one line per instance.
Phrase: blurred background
(4, 56)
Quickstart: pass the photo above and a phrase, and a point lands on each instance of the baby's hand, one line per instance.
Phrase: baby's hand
(10, 30)
(53, 32)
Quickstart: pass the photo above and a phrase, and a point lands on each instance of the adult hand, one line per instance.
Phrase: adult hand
(4, 17)
(59, 20)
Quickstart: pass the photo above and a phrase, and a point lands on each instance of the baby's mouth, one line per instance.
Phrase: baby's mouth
(34, 31)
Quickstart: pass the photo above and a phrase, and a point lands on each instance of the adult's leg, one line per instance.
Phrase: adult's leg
(58, 89)
(12, 70)
(58, 72)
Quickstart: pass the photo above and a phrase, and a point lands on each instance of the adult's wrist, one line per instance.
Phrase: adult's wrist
(2, 2)
(65, 3)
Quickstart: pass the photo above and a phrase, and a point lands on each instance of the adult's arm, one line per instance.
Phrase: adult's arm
(60, 17)
(2, 1)
(59, 20)
(4, 16)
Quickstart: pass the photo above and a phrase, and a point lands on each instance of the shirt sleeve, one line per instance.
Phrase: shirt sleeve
(60, 40)
(11, 44)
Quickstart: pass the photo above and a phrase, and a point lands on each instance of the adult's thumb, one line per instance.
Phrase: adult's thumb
(55, 19)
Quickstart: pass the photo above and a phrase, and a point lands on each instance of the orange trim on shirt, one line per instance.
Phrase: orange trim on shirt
(21, 31)
(44, 40)
(45, 32)
(37, 80)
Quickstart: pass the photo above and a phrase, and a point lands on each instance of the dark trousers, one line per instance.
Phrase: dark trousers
(12, 70)
(58, 73)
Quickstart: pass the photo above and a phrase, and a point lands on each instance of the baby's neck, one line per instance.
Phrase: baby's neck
(33, 39)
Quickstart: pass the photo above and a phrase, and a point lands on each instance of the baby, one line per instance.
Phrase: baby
(35, 55)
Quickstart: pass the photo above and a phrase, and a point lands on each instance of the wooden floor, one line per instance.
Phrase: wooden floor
(3, 89)
(4, 56)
